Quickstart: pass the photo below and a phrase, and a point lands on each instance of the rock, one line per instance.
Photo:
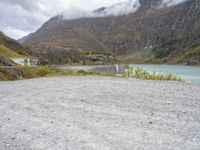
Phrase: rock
(150, 122)
(5, 61)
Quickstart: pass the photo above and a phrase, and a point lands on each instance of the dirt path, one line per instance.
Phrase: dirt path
(97, 113)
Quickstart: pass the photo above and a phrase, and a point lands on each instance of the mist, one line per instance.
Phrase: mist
(117, 9)
(121, 8)
(170, 3)
(32, 14)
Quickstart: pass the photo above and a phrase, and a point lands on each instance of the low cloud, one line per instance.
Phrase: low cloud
(14, 33)
(75, 13)
(170, 3)
(20, 17)
(121, 8)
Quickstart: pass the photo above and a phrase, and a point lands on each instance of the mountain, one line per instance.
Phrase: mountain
(152, 31)
(9, 48)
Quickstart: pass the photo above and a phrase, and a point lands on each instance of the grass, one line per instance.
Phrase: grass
(8, 53)
(20, 72)
(145, 75)
(86, 73)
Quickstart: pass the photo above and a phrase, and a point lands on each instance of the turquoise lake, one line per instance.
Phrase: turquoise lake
(190, 74)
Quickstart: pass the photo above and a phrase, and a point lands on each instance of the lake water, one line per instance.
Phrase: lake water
(190, 74)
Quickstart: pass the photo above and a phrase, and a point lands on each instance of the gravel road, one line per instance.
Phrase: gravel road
(99, 113)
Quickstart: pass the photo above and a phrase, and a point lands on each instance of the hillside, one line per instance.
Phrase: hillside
(10, 48)
(9, 42)
(7, 52)
(152, 33)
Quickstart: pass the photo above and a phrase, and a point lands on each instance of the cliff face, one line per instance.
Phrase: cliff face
(151, 34)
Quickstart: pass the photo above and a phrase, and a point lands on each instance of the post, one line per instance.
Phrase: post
(116, 68)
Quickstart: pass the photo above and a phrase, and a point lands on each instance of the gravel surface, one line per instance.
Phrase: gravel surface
(99, 113)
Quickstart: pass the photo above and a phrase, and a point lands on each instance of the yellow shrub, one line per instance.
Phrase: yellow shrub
(142, 74)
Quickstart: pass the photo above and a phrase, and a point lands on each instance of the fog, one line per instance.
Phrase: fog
(169, 3)
(117, 9)
(21, 17)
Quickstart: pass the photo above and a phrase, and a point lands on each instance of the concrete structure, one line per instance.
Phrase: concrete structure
(34, 61)
(96, 68)
(26, 61)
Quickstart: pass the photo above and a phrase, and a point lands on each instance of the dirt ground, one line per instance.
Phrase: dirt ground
(99, 113)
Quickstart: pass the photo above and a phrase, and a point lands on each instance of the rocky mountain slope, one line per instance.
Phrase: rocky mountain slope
(156, 32)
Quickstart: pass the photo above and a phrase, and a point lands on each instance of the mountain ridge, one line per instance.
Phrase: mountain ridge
(150, 34)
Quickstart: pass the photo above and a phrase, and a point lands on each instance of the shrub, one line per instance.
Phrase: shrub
(83, 72)
(142, 74)
(32, 72)
(42, 71)
(76, 59)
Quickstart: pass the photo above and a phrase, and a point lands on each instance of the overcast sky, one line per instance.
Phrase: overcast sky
(21, 17)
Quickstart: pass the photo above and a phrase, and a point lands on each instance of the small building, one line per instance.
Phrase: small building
(26, 61)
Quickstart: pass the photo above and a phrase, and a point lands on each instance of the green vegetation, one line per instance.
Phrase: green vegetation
(194, 55)
(142, 74)
(20, 72)
(76, 59)
(104, 53)
(83, 72)
(87, 73)
(9, 53)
